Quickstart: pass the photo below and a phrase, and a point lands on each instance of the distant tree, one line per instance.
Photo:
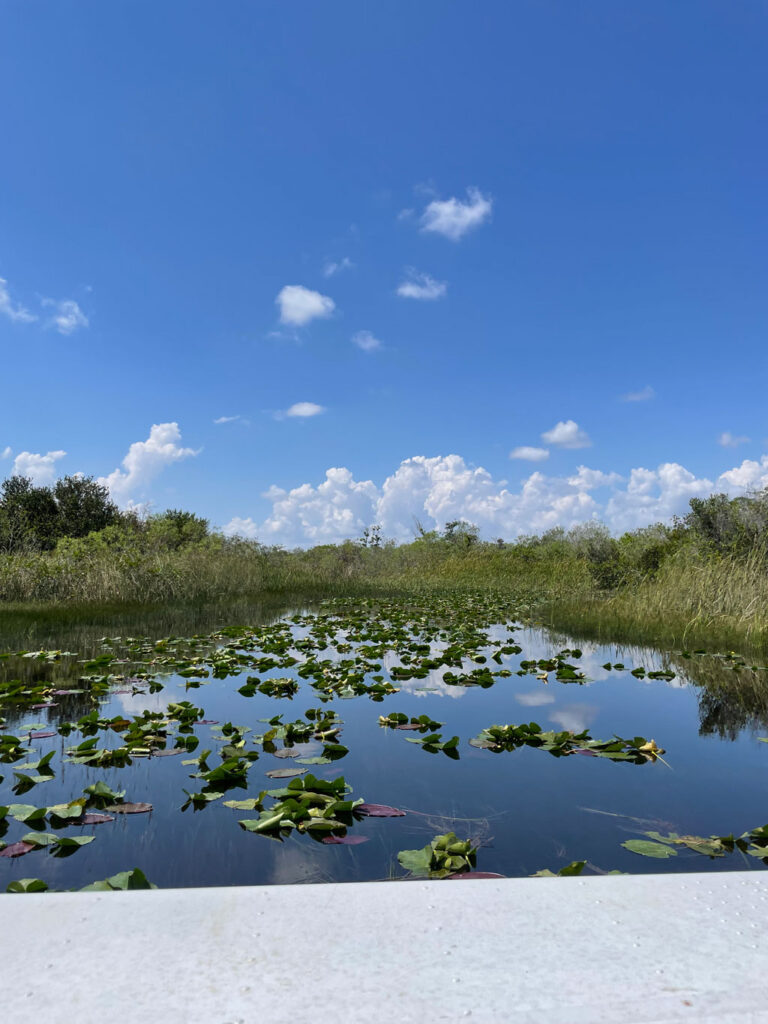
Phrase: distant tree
(461, 534)
(371, 537)
(28, 516)
(175, 528)
(83, 506)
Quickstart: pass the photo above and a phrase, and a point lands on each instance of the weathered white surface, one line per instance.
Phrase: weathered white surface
(560, 951)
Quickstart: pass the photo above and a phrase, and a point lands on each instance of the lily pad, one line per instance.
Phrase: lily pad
(648, 848)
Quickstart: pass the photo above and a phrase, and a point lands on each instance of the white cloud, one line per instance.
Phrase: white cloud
(728, 440)
(17, 313)
(454, 218)
(529, 454)
(421, 286)
(643, 395)
(298, 305)
(41, 469)
(366, 341)
(335, 266)
(435, 490)
(566, 434)
(749, 476)
(67, 317)
(302, 410)
(227, 419)
(6, 453)
(145, 459)
(588, 479)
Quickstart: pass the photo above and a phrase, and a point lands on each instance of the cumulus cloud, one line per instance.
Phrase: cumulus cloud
(16, 313)
(435, 490)
(145, 460)
(643, 395)
(529, 454)
(453, 218)
(41, 469)
(728, 440)
(302, 410)
(566, 434)
(421, 286)
(335, 266)
(299, 305)
(366, 341)
(67, 316)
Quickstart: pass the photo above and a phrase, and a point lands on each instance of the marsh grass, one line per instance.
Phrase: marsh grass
(717, 600)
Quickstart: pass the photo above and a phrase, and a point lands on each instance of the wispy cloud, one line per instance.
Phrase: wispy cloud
(529, 453)
(227, 419)
(453, 218)
(299, 305)
(68, 316)
(6, 453)
(421, 286)
(566, 434)
(301, 410)
(366, 341)
(336, 266)
(728, 440)
(643, 395)
(17, 313)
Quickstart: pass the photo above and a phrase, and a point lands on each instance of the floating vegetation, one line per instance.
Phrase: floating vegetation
(560, 744)
(753, 843)
(94, 725)
(444, 855)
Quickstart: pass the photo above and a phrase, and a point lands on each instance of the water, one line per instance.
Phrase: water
(527, 809)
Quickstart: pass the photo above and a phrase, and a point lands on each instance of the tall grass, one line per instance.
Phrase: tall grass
(690, 599)
(719, 601)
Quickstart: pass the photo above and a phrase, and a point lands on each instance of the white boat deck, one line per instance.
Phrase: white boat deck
(624, 949)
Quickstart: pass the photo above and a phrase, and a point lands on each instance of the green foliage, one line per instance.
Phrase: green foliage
(444, 855)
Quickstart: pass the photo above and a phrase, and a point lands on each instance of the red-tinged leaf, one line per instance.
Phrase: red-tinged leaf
(344, 840)
(39, 707)
(208, 721)
(476, 874)
(95, 819)
(61, 693)
(17, 849)
(584, 753)
(129, 808)
(41, 735)
(380, 811)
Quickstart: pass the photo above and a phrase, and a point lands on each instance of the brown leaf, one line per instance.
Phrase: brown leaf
(38, 707)
(344, 840)
(285, 773)
(169, 753)
(380, 811)
(129, 808)
(287, 752)
(41, 735)
(17, 849)
(95, 819)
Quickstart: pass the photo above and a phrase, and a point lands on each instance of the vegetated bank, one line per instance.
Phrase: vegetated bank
(703, 577)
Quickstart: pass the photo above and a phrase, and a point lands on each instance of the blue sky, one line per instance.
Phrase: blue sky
(580, 188)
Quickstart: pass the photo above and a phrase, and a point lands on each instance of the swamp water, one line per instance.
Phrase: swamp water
(313, 697)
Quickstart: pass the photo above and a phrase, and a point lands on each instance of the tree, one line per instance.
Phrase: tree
(84, 506)
(28, 516)
(461, 534)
